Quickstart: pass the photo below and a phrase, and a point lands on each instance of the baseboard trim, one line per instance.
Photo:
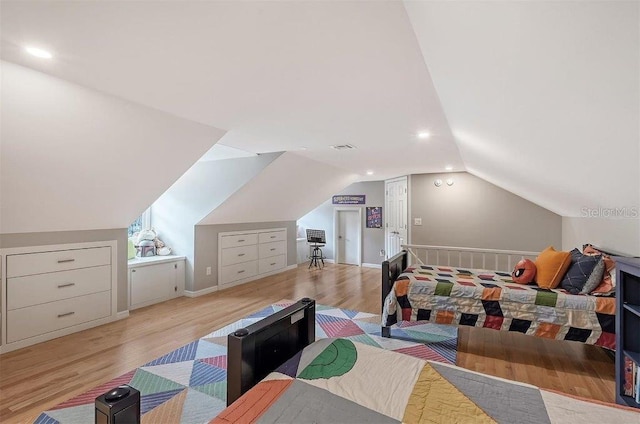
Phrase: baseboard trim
(329, 261)
(122, 315)
(197, 293)
(366, 265)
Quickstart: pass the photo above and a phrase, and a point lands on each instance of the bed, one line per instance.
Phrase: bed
(338, 380)
(490, 299)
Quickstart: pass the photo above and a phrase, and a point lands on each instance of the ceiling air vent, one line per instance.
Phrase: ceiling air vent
(343, 147)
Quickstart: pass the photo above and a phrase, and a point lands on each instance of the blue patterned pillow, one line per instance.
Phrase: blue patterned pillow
(583, 269)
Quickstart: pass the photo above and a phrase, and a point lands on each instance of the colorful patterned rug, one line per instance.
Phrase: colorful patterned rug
(188, 385)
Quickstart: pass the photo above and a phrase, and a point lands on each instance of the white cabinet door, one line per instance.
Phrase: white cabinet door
(152, 283)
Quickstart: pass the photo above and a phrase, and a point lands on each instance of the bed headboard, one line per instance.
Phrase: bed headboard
(257, 350)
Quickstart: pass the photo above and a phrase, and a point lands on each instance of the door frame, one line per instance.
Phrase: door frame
(336, 225)
(407, 179)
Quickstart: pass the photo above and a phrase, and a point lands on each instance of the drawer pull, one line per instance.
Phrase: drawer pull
(273, 249)
(273, 236)
(65, 315)
(273, 264)
(240, 254)
(66, 285)
(240, 241)
(241, 271)
(62, 261)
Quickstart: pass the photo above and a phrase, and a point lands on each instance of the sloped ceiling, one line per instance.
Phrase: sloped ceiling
(539, 98)
(75, 159)
(277, 75)
(542, 97)
(285, 190)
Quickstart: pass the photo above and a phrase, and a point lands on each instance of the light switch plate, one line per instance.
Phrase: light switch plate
(417, 221)
(208, 270)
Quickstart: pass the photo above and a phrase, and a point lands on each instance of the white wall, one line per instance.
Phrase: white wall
(618, 234)
(543, 97)
(285, 190)
(201, 189)
(76, 159)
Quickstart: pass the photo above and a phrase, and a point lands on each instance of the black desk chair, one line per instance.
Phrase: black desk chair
(316, 238)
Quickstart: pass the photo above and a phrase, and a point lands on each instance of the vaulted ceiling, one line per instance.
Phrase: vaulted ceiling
(540, 98)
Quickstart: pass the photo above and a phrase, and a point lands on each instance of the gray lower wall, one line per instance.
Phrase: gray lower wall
(63, 237)
(206, 248)
(372, 238)
(620, 235)
(475, 213)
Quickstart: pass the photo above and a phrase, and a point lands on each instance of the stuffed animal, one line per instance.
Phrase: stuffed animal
(163, 251)
(146, 235)
(524, 272)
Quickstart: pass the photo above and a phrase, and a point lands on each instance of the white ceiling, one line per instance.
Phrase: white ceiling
(76, 159)
(278, 76)
(279, 196)
(540, 98)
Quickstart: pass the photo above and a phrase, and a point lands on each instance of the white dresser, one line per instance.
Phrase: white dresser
(248, 255)
(155, 279)
(51, 291)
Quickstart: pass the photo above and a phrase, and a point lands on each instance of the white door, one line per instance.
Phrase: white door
(348, 237)
(396, 216)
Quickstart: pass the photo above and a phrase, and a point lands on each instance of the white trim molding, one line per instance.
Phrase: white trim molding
(198, 293)
(366, 265)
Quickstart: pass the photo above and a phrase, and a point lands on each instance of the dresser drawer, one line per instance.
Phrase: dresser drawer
(235, 255)
(40, 319)
(238, 240)
(271, 236)
(270, 264)
(231, 273)
(61, 260)
(42, 288)
(275, 248)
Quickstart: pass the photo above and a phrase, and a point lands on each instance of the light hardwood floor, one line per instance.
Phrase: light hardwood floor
(34, 379)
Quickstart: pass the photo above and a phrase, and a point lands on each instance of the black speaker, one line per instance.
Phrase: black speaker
(118, 406)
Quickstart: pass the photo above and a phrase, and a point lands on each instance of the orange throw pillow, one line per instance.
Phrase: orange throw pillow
(551, 266)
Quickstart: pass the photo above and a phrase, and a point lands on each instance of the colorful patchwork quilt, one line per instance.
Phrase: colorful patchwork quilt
(490, 299)
(341, 381)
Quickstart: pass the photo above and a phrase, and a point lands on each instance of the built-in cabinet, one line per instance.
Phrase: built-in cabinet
(155, 279)
(627, 322)
(51, 291)
(247, 255)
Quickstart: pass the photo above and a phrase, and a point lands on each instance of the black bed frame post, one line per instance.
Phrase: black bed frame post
(391, 269)
(276, 337)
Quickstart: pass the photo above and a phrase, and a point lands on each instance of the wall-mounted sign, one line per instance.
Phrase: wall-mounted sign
(348, 199)
(374, 217)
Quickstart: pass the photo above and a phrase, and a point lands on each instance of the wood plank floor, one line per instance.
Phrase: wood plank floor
(34, 379)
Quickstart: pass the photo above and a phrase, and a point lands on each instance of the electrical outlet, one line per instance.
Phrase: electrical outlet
(417, 221)
(208, 270)
(381, 252)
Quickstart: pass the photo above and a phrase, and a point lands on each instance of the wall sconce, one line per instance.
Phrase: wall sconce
(437, 182)
(450, 182)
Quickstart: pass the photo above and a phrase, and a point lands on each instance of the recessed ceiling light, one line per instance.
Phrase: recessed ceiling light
(369, 172)
(448, 168)
(423, 135)
(34, 51)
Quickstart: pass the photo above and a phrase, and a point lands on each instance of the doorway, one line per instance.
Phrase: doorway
(396, 217)
(347, 224)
